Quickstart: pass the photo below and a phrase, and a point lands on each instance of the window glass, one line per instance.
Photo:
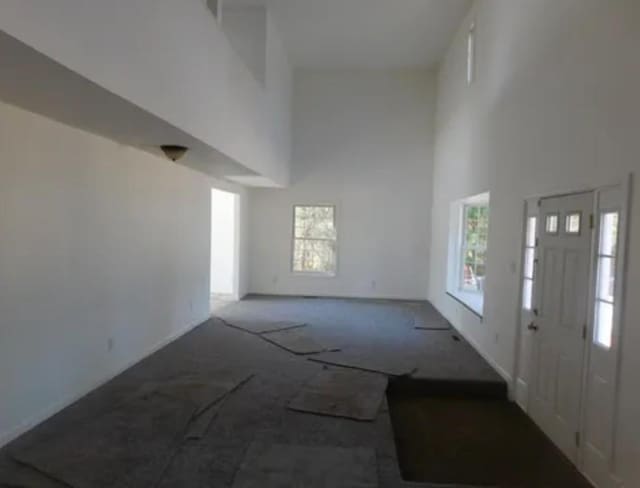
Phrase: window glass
(529, 263)
(474, 247)
(609, 233)
(551, 225)
(527, 294)
(604, 322)
(606, 279)
(529, 255)
(572, 223)
(314, 247)
(531, 232)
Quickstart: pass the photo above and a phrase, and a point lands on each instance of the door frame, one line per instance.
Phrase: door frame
(625, 184)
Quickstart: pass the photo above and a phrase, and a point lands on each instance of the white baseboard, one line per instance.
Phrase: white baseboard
(51, 410)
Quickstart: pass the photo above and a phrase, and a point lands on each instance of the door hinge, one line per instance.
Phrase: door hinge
(578, 439)
(591, 222)
(584, 332)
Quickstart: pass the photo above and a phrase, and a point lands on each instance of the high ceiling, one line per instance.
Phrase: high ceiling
(335, 34)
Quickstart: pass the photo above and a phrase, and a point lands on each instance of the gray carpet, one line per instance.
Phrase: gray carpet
(129, 446)
(299, 340)
(280, 465)
(256, 411)
(342, 393)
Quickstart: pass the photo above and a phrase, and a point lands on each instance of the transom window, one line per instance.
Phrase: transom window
(314, 239)
(606, 284)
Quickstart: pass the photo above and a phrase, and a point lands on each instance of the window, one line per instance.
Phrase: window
(529, 263)
(471, 54)
(474, 247)
(314, 240)
(551, 224)
(606, 279)
(572, 223)
(467, 262)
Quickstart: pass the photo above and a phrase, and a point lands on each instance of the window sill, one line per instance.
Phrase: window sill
(474, 302)
(313, 274)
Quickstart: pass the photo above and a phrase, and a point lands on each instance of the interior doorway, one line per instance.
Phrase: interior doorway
(224, 247)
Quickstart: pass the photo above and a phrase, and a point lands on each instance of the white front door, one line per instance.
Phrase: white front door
(562, 295)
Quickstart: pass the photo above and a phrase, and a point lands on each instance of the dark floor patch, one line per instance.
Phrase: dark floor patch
(478, 442)
(280, 465)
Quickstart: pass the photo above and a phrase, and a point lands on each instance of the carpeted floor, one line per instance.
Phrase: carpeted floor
(256, 413)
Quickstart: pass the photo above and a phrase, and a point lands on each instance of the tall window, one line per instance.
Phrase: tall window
(314, 239)
(529, 263)
(467, 261)
(474, 247)
(606, 284)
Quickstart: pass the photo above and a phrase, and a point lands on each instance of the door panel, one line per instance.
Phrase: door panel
(563, 288)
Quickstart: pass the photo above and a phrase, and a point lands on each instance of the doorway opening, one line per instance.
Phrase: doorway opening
(225, 213)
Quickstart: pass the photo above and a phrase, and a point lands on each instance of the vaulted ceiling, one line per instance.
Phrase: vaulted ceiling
(367, 34)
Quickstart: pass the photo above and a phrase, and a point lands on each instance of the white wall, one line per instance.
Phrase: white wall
(99, 242)
(170, 58)
(362, 141)
(554, 108)
(246, 29)
(224, 213)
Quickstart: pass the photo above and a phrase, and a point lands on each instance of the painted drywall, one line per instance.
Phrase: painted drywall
(246, 29)
(101, 244)
(554, 108)
(362, 142)
(170, 58)
(224, 218)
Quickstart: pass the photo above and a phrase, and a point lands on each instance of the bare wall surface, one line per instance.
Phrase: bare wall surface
(104, 256)
(554, 108)
(170, 58)
(363, 142)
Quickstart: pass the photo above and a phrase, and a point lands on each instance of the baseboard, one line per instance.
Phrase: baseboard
(7, 437)
(355, 297)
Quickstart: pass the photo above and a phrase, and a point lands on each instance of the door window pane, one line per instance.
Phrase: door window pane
(551, 224)
(529, 254)
(527, 294)
(572, 223)
(531, 232)
(606, 278)
(604, 324)
(608, 233)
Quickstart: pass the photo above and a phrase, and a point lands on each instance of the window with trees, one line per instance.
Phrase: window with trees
(468, 241)
(474, 247)
(314, 239)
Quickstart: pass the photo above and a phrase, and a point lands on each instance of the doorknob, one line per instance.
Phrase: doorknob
(532, 327)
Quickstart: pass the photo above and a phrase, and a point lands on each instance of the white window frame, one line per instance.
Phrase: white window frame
(471, 53)
(320, 274)
(471, 299)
